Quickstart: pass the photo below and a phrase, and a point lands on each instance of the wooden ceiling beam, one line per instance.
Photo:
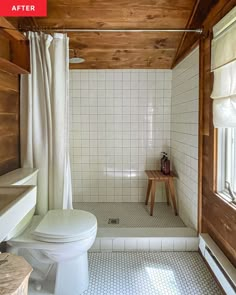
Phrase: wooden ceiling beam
(185, 33)
(198, 17)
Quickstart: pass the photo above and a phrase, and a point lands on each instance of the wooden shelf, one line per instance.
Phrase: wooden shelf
(10, 67)
(14, 56)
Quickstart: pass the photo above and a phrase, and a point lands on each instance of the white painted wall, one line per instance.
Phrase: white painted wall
(184, 135)
(120, 123)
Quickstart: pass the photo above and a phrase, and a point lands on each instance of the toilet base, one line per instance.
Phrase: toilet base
(72, 276)
(68, 277)
(47, 288)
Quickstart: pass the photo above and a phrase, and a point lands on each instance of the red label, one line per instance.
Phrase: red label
(23, 8)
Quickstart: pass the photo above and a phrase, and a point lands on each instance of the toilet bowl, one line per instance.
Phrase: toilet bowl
(56, 244)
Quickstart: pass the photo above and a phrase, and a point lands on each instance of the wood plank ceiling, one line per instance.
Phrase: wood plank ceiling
(120, 50)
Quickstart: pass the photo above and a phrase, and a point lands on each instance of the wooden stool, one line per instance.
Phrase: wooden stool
(155, 176)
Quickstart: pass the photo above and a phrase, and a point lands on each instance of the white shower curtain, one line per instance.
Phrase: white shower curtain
(45, 120)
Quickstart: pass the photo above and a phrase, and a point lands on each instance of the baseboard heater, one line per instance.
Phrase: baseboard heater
(224, 271)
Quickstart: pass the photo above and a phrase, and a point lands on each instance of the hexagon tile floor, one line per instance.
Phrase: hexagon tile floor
(142, 273)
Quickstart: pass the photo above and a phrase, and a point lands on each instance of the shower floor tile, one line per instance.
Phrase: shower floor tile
(150, 273)
(132, 215)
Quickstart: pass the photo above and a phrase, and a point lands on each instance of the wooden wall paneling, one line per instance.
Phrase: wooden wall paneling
(200, 137)
(9, 126)
(9, 103)
(20, 55)
(217, 217)
(5, 48)
(9, 122)
(220, 222)
(9, 110)
(8, 145)
(207, 111)
(8, 82)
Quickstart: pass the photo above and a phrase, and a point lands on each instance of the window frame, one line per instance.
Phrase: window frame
(226, 153)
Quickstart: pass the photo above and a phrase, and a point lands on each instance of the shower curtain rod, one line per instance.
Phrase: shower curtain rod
(113, 30)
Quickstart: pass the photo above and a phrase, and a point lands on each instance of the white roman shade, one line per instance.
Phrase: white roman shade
(223, 64)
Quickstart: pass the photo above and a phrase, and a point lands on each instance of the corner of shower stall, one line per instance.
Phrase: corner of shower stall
(129, 227)
(121, 121)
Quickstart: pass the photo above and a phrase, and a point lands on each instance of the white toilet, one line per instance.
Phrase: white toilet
(56, 244)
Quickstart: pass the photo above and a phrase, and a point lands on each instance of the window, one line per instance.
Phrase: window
(227, 163)
(223, 65)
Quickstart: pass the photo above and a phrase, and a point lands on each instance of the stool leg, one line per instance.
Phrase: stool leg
(172, 194)
(148, 191)
(167, 193)
(153, 196)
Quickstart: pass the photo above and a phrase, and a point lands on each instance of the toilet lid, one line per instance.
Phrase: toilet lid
(65, 225)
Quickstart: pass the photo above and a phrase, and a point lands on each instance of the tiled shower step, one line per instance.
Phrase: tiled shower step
(145, 239)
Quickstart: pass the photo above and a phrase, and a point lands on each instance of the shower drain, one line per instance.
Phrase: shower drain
(113, 221)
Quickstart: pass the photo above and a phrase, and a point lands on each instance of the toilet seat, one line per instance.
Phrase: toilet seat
(62, 226)
(57, 250)
(28, 239)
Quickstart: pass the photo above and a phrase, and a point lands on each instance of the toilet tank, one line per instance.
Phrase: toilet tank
(21, 176)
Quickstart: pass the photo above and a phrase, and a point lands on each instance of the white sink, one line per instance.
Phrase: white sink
(15, 203)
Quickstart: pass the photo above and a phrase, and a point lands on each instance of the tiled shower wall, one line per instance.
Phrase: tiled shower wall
(120, 123)
(184, 135)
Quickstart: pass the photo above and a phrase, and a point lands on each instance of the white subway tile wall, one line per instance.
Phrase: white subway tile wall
(184, 135)
(120, 123)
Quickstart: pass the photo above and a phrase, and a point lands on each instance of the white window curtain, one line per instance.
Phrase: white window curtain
(223, 64)
(45, 120)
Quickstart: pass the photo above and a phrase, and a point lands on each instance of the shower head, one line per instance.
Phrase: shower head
(76, 60)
